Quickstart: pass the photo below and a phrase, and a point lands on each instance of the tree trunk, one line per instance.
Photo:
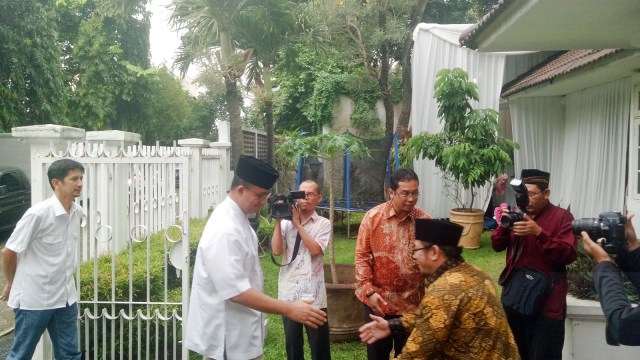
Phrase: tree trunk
(403, 121)
(235, 127)
(383, 79)
(332, 251)
(268, 114)
(232, 95)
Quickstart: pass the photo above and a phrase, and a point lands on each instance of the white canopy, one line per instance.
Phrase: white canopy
(436, 47)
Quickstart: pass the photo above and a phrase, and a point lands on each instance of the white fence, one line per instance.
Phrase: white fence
(131, 192)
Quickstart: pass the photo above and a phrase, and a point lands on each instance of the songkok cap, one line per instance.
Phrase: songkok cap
(438, 232)
(535, 177)
(256, 172)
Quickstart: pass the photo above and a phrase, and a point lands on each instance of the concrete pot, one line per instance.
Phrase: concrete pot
(472, 221)
(346, 312)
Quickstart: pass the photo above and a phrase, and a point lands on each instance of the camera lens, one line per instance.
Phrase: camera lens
(590, 225)
(505, 221)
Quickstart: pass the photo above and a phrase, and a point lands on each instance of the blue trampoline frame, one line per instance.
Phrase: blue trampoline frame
(347, 205)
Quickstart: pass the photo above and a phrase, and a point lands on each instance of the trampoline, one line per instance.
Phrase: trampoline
(363, 184)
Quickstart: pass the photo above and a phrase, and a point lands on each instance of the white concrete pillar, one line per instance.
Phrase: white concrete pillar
(224, 174)
(195, 176)
(224, 131)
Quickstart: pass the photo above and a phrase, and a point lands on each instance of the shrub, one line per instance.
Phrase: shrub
(265, 231)
(581, 279)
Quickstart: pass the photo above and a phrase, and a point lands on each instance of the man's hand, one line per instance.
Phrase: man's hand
(376, 302)
(295, 217)
(374, 330)
(630, 234)
(6, 292)
(594, 250)
(526, 227)
(303, 312)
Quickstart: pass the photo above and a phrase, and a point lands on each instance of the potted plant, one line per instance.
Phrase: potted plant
(469, 150)
(341, 299)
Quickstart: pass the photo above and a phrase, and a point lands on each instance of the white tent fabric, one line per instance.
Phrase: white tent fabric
(436, 47)
(582, 140)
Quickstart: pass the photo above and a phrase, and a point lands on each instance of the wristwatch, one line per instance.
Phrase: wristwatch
(370, 293)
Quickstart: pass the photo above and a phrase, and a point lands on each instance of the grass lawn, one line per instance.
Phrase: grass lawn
(484, 257)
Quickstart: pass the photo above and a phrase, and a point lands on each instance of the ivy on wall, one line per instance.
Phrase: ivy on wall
(358, 86)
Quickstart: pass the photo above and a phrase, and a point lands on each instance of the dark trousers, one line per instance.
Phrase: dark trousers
(539, 338)
(381, 349)
(294, 340)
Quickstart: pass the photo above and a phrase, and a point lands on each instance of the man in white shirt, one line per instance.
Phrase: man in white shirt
(225, 319)
(302, 278)
(39, 264)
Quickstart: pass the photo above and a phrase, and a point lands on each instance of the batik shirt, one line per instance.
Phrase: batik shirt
(459, 317)
(384, 260)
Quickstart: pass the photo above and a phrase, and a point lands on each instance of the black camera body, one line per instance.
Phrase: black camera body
(280, 205)
(607, 230)
(522, 200)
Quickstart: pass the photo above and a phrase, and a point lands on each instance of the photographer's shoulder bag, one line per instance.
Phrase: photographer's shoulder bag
(524, 289)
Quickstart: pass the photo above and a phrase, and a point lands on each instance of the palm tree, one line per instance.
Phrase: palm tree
(207, 32)
(265, 31)
(262, 31)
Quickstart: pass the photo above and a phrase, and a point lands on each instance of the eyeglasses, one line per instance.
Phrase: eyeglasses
(405, 195)
(422, 248)
(310, 195)
(533, 194)
(259, 195)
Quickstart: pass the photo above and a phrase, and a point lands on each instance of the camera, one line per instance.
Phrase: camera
(522, 200)
(280, 205)
(607, 231)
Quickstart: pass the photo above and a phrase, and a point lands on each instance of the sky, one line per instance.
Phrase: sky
(164, 41)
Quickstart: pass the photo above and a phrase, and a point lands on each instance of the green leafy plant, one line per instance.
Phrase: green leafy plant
(329, 147)
(580, 276)
(359, 87)
(469, 149)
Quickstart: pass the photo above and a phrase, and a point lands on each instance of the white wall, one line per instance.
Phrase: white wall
(14, 152)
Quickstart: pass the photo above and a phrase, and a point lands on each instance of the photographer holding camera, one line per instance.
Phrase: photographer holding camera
(302, 240)
(623, 320)
(540, 244)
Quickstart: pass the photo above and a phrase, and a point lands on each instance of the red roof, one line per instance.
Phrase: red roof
(555, 66)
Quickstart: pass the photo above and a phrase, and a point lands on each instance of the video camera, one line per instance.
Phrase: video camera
(522, 201)
(280, 205)
(607, 231)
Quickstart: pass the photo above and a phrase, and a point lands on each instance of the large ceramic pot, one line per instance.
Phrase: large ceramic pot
(471, 220)
(345, 311)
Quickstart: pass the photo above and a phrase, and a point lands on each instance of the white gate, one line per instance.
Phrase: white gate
(133, 260)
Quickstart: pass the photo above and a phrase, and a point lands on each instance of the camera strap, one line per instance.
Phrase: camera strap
(511, 261)
(296, 247)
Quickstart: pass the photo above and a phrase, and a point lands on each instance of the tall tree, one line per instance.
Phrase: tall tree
(372, 31)
(207, 33)
(265, 31)
(106, 46)
(32, 90)
(262, 30)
